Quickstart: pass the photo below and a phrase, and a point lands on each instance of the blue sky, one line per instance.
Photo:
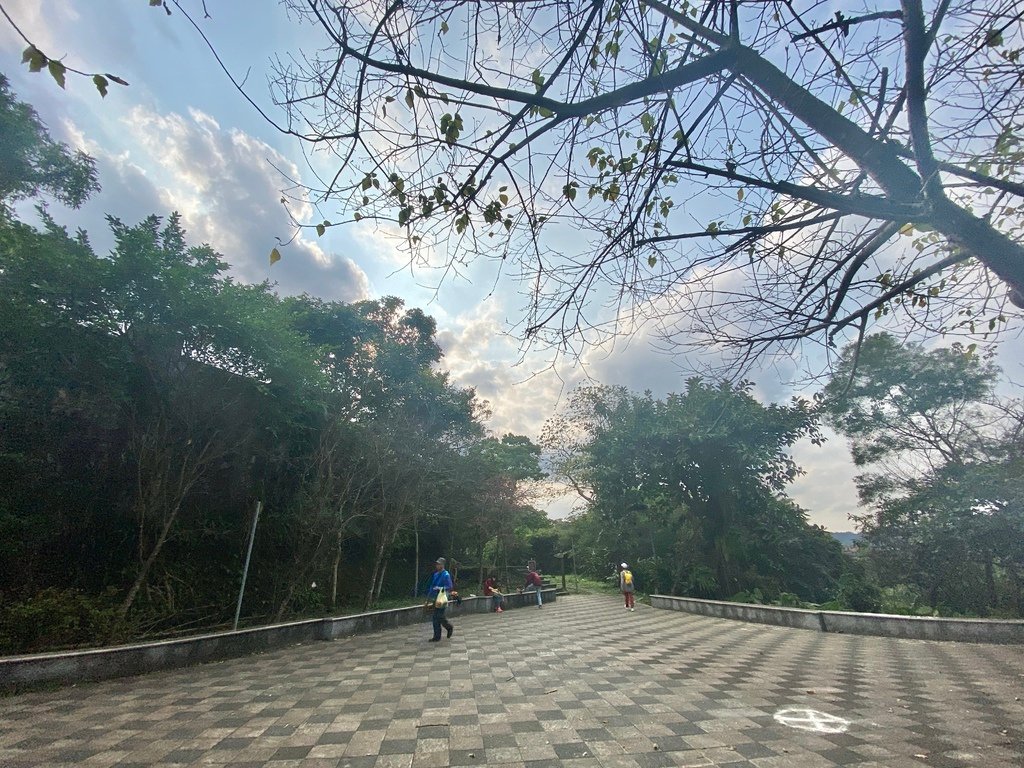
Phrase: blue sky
(180, 137)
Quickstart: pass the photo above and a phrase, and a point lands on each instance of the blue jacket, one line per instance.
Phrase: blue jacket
(440, 580)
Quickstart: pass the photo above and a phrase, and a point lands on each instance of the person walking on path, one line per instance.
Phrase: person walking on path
(627, 587)
(440, 586)
(533, 581)
(491, 590)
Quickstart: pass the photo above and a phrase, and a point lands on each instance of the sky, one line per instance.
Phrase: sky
(181, 138)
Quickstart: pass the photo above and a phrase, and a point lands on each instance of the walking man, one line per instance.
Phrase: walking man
(440, 586)
(627, 586)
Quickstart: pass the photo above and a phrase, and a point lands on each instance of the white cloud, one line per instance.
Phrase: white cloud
(522, 390)
(826, 489)
(224, 184)
(384, 243)
(43, 22)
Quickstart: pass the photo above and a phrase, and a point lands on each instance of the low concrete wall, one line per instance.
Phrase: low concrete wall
(882, 624)
(125, 660)
(925, 627)
(760, 614)
(20, 672)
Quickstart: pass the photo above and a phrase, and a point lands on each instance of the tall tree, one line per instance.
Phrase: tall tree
(753, 173)
(690, 489)
(908, 410)
(941, 459)
(497, 472)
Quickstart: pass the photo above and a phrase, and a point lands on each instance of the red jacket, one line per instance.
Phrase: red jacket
(533, 579)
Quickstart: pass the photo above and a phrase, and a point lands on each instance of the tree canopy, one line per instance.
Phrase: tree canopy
(751, 174)
(690, 490)
(148, 400)
(31, 162)
(941, 483)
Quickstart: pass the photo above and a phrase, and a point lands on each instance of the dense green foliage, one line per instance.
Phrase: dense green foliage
(689, 491)
(148, 401)
(32, 162)
(944, 474)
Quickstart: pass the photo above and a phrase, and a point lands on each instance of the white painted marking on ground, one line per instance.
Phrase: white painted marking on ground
(811, 720)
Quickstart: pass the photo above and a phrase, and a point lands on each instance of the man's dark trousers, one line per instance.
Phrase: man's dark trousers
(440, 621)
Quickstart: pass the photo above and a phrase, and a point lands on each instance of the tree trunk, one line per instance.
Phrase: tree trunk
(140, 579)
(334, 574)
(990, 585)
(416, 562)
(1018, 591)
(303, 574)
(480, 559)
(380, 581)
(372, 588)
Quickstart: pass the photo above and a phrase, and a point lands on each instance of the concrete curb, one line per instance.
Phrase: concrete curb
(23, 672)
(882, 624)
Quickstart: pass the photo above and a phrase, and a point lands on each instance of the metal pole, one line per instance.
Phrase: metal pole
(248, 554)
(575, 573)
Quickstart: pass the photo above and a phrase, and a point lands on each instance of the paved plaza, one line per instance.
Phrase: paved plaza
(579, 683)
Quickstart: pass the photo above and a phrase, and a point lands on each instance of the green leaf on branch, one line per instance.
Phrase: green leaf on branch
(652, 260)
(994, 38)
(320, 229)
(451, 127)
(275, 256)
(101, 84)
(57, 71)
(35, 59)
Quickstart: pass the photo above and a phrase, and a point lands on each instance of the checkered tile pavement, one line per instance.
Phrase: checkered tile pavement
(580, 683)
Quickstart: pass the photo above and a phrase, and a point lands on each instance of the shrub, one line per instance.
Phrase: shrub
(752, 596)
(903, 599)
(789, 600)
(57, 618)
(857, 594)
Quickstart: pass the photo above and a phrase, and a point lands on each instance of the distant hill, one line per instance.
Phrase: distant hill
(846, 538)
